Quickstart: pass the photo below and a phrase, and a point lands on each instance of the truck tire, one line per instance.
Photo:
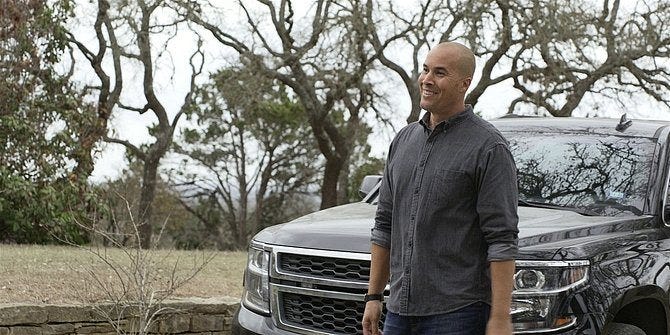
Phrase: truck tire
(624, 329)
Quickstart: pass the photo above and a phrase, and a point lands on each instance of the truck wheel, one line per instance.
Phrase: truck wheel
(624, 329)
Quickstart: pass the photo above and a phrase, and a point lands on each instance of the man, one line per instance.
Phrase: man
(446, 223)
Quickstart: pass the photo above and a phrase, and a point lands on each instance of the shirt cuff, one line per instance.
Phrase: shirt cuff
(502, 252)
(381, 238)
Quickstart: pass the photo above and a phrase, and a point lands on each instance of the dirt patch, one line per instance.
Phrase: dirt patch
(59, 274)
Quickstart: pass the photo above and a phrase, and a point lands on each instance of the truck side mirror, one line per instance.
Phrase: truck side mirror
(369, 183)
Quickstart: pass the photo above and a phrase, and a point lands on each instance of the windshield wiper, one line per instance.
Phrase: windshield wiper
(582, 211)
(618, 206)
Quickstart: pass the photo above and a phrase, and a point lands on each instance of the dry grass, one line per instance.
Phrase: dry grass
(60, 274)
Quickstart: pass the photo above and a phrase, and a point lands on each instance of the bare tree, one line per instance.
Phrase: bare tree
(243, 156)
(406, 30)
(127, 31)
(553, 52)
(108, 91)
(183, 231)
(574, 49)
(483, 25)
(322, 62)
(142, 280)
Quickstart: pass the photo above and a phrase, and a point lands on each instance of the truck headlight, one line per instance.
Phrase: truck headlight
(256, 280)
(539, 287)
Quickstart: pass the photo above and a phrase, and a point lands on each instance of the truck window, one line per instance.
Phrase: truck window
(603, 174)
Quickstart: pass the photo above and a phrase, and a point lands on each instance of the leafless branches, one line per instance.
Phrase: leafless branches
(127, 32)
(321, 63)
(137, 291)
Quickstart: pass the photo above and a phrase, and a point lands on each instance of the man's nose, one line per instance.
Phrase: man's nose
(426, 78)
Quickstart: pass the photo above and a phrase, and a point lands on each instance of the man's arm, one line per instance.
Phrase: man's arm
(497, 208)
(379, 277)
(500, 320)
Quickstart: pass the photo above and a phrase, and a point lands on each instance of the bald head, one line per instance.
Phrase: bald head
(462, 57)
(445, 79)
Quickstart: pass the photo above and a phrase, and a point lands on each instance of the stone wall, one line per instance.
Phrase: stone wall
(185, 316)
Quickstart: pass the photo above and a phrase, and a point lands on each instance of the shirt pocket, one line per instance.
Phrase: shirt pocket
(451, 188)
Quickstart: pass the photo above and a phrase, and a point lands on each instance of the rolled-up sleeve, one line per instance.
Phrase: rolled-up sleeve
(497, 202)
(381, 232)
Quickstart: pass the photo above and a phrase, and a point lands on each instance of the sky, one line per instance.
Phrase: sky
(172, 83)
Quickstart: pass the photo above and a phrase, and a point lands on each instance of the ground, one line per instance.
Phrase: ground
(61, 274)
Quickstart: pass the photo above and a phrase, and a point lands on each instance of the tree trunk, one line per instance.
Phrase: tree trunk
(415, 99)
(88, 139)
(266, 175)
(343, 181)
(242, 221)
(331, 176)
(146, 199)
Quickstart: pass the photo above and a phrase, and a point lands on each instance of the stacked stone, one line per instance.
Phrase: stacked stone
(194, 316)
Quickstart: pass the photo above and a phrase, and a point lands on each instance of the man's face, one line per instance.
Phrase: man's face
(441, 83)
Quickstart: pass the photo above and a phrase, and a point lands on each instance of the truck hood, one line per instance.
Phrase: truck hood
(347, 227)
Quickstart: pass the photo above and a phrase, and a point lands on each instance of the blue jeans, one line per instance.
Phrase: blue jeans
(469, 320)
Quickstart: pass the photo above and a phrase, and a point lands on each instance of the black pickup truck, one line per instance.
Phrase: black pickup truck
(594, 240)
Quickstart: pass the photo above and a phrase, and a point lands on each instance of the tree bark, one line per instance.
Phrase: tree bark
(144, 224)
(331, 176)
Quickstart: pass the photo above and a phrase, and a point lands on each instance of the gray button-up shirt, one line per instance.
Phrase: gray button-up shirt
(447, 207)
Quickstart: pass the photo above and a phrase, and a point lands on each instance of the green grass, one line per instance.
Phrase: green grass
(60, 274)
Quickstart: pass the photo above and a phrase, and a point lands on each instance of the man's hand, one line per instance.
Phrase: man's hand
(499, 325)
(373, 311)
(380, 259)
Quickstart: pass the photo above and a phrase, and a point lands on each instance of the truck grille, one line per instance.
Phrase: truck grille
(324, 314)
(325, 267)
(318, 291)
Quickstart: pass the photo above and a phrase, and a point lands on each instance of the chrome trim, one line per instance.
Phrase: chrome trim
(547, 330)
(658, 175)
(661, 162)
(316, 293)
(258, 245)
(665, 220)
(322, 253)
(547, 264)
(276, 272)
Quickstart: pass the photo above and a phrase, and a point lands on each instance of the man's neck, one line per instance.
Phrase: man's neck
(437, 117)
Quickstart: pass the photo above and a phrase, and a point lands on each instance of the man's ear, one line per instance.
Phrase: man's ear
(465, 84)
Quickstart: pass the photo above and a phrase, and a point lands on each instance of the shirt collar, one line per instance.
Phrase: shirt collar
(467, 112)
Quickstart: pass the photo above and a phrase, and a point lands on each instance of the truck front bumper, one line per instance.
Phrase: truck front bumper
(246, 322)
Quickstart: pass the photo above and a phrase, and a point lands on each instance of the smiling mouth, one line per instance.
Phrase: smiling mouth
(428, 93)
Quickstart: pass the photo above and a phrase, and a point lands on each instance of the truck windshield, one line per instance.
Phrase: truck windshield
(592, 174)
(598, 174)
